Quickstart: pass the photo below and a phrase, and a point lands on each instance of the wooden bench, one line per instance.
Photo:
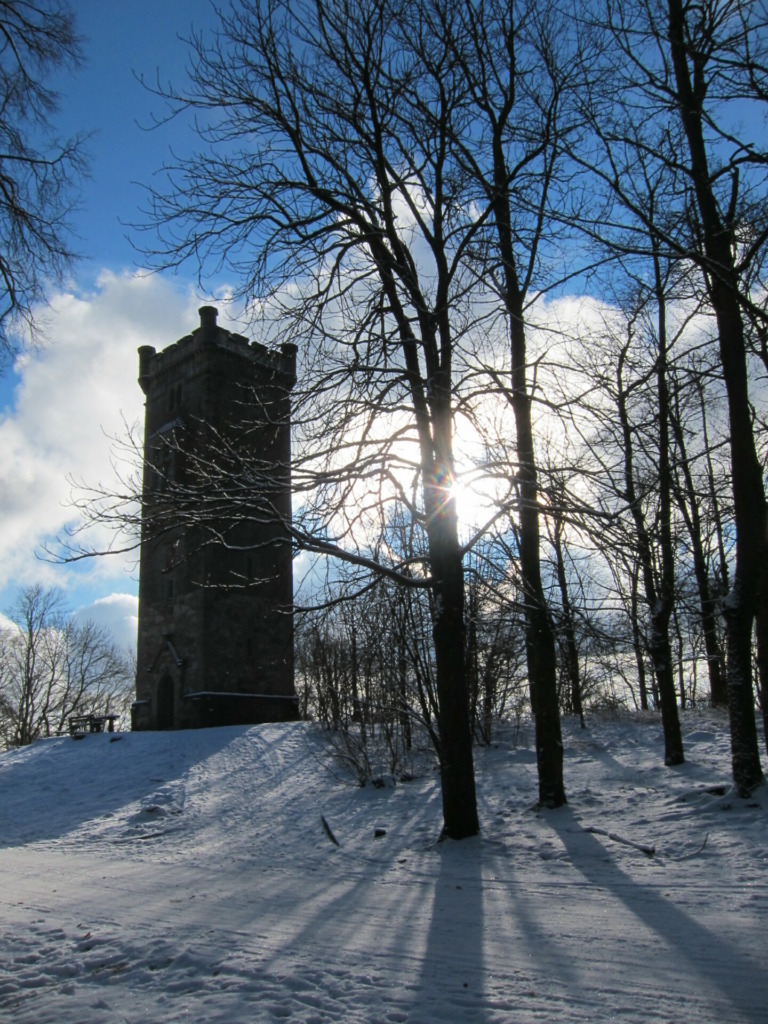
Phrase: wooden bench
(81, 725)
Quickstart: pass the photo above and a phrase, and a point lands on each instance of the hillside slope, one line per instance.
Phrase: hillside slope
(188, 876)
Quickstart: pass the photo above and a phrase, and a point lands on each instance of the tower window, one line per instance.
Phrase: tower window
(165, 465)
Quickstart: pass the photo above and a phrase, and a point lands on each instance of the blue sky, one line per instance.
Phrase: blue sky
(60, 404)
(124, 42)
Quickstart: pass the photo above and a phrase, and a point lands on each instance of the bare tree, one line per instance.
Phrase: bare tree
(701, 63)
(699, 505)
(38, 171)
(330, 194)
(52, 667)
(517, 61)
(658, 585)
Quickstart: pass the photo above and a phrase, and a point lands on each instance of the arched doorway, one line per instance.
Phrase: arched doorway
(165, 703)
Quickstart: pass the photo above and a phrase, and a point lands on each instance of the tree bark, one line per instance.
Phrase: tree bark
(718, 264)
(689, 508)
(761, 635)
(659, 602)
(449, 632)
(637, 642)
(571, 651)
(539, 634)
(662, 610)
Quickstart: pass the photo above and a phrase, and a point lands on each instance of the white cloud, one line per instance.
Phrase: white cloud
(72, 396)
(119, 613)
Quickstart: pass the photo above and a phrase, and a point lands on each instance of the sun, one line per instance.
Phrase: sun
(475, 504)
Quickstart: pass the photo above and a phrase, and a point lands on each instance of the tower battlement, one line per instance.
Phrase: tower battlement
(151, 362)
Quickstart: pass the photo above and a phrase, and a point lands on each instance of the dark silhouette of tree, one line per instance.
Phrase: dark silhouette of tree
(517, 61)
(38, 171)
(697, 63)
(330, 193)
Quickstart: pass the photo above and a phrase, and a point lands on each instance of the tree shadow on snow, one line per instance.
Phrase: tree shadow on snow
(55, 786)
(690, 948)
(452, 978)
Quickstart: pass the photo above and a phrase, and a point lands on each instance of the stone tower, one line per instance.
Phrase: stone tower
(215, 642)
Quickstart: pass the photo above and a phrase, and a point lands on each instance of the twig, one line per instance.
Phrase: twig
(692, 853)
(329, 831)
(649, 851)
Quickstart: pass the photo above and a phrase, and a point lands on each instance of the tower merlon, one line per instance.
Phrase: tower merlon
(146, 355)
(289, 352)
(208, 331)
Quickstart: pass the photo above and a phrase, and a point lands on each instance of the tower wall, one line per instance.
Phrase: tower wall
(215, 639)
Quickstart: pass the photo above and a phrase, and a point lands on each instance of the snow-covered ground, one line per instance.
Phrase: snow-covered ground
(188, 877)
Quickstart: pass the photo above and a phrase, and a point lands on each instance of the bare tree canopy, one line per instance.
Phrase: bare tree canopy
(38, 170)
(703, 64)
(52, 667)
(331, 194)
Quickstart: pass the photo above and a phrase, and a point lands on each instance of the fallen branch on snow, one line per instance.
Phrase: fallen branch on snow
(649, 851)
(329, 831)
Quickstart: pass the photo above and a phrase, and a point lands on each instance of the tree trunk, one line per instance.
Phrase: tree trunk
(662, 610)
(637, 641)
(689, 508)
(456, 767)
(761, 631)
(471, 656)
(751, 519)
(659, 601)
(446, 559)
(569, 632)
(434, 424)
(722, 564)
(539, 634)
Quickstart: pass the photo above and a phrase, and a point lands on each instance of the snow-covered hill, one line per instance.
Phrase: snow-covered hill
(188, 877)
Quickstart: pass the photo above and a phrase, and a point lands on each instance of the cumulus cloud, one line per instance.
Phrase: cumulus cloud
(119, 613)
(72, 396)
